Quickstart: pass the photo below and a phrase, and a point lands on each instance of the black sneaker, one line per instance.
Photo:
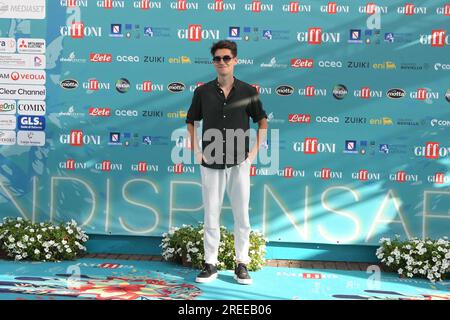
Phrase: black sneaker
(241, 274)
(209, 273)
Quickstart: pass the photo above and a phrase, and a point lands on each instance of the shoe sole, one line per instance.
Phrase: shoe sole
(243, 281)
(206, 280)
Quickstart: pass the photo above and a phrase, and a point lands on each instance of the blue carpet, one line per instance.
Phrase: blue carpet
(149, 280)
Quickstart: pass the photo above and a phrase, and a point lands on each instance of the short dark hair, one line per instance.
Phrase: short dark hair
(224, 44)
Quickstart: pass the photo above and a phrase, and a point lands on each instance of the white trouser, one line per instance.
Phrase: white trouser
(236, 180)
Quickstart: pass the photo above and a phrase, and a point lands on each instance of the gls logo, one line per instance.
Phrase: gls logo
(31, 123)
(195, 33)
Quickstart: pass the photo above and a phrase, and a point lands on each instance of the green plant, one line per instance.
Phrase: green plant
(23, 240)
(423, 258)
(185, 244)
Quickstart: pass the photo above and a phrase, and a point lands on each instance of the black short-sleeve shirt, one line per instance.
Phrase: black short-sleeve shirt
(225, 115)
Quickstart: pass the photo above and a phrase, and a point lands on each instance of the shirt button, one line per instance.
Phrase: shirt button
(224, 116)
(224, 103)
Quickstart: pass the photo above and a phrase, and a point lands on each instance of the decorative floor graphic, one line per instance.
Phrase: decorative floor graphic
(150, 280)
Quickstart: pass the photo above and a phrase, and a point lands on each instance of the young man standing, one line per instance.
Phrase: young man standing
(225, 105)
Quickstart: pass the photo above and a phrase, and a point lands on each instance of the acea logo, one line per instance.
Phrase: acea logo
(123, 85)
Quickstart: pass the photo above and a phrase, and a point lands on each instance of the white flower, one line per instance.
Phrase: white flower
(48, 256)
(69, 231)
(39, 237)
(36, 251)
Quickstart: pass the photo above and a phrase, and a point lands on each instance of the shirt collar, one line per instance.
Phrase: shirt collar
(235, 83)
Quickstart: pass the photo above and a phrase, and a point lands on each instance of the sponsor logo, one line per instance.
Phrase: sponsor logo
(22, 61)
(365, 175)
(22, 76)
(395, 93)
(69, 84)
(123, 85)
(7, 107)
(100, 57)
(18, 92)
(196, 33)
(147, 4)
(73, 3)
(7, 138)
(432, 150)
(328, 174)
(176, 87)
(340, 91)
(284, 90)
(34, 123)
(334, 8)
(99, 112)
(31, 138)
(273, 64)
(302, 63)
(77, 138)
(29, 108)
(312, 91)
(22, 9)
(26, 45)
(313, 146)
(77, 30)
(72, 59)
(316, 36)
(7, 45)
(8, 122)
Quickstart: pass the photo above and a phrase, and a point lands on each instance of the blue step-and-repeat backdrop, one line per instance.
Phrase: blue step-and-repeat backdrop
(94, 96)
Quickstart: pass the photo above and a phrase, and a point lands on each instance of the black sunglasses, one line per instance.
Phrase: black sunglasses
(225, 59)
